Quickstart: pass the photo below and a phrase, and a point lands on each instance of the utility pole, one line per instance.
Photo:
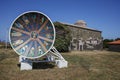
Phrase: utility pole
(6, 38)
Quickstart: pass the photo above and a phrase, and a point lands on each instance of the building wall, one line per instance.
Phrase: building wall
(114, 47)
(85, 39)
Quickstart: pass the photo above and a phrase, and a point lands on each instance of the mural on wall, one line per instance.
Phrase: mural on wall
(88, 44)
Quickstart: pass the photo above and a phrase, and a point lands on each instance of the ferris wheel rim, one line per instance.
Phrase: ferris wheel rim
(51, 24)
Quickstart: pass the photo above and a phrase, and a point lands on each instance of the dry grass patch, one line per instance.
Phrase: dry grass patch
(85, 65)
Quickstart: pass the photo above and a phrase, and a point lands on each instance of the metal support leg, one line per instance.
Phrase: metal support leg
(58, 58)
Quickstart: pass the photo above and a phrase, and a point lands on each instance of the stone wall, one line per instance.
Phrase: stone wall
(85, 39)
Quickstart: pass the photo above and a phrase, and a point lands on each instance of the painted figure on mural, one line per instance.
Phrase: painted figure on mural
(81, 44)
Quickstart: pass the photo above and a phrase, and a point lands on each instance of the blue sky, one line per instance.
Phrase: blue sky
(103, 15)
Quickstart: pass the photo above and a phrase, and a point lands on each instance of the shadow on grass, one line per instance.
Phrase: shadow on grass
(19, 65)
(41, 65)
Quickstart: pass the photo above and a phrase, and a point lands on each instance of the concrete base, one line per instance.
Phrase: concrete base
(26, 66)
(61, 63)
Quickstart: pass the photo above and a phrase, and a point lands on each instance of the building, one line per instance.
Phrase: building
(84, 38)
(114, 46)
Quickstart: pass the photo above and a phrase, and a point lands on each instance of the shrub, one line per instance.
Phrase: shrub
(63, 38)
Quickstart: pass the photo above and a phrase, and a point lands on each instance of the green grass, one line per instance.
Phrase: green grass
(85, 65)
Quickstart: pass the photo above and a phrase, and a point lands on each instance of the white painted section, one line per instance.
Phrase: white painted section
(26, 66)
(61, 63)
(21, 59)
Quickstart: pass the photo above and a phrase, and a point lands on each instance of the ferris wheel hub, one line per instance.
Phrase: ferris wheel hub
(34, 34)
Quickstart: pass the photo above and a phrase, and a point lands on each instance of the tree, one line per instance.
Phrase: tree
(105, 42)
(117, 39)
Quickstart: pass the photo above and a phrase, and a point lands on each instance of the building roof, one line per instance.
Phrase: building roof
(115, 42)
(78, 26)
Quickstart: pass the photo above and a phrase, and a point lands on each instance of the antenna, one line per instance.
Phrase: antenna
(32, 35)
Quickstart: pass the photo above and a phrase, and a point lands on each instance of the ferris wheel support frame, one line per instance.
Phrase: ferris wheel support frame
(52, 56)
